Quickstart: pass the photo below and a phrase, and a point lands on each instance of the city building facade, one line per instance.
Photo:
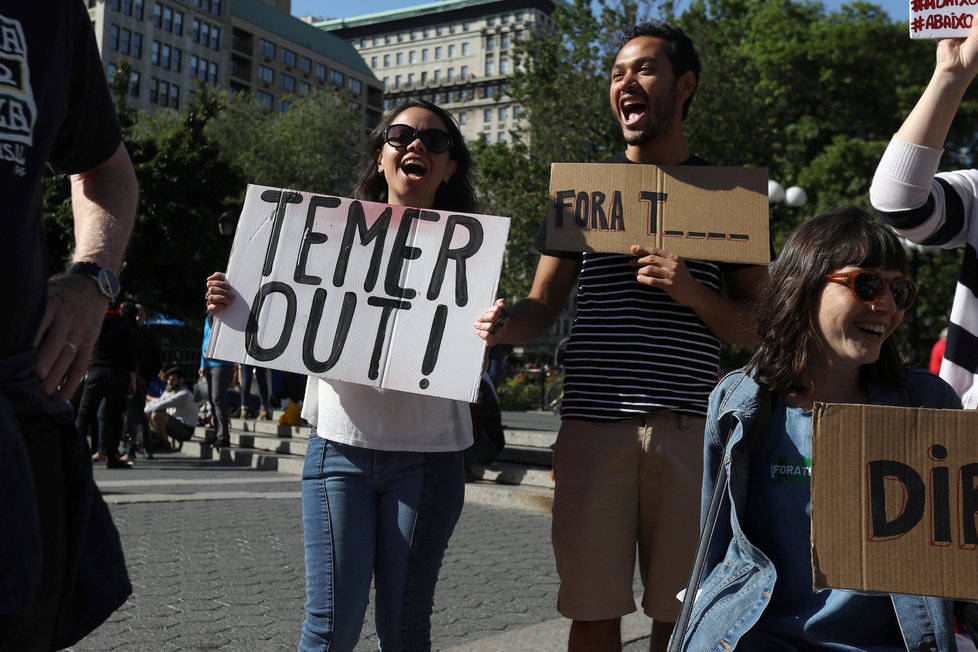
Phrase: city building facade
(455, 53)
(241, 45)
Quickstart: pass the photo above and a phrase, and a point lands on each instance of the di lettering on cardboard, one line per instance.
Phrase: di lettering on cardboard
(360, 291)
(895, 500)
(698, 212)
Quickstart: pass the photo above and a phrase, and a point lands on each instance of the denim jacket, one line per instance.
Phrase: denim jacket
(738, 579)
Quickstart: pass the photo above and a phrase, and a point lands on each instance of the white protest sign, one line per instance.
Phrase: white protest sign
(936, 19)
(360, 291)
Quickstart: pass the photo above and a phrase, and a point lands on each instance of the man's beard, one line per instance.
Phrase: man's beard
(660, 118)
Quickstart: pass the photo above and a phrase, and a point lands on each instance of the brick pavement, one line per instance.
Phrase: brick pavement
(215, 555)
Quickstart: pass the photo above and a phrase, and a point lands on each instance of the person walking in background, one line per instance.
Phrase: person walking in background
(111, 378)
(384, 483)
(642, 358)
(56, 525)
(939, 209)
(218, 375)
(937, 352)
(245, 373)
(835, 296)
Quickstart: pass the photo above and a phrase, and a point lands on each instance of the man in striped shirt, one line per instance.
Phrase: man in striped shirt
(642, 359)
(939, 209)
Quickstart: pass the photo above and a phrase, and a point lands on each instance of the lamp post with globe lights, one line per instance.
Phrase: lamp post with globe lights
(793, 197)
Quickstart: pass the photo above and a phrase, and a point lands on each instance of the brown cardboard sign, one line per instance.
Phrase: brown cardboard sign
(698, 212)
(895, 500)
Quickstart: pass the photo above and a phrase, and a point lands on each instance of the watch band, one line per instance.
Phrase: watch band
(105, 279)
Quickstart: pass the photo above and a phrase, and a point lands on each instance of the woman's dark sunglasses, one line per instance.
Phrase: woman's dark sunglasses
(868, 287)
(435, 140)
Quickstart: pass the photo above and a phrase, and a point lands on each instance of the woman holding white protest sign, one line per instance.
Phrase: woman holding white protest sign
(383, 483)
(835, 296)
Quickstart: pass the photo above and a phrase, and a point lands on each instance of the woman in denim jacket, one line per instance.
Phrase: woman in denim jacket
(835, 296)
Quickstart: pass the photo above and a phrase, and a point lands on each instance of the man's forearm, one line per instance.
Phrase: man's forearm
(104, 204)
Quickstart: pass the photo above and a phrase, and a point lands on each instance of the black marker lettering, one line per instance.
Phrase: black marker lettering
(254, 349)
(476, 237)
(388, 305)
(339, 336)
(281, 199)
(356, 224)
(310, 238)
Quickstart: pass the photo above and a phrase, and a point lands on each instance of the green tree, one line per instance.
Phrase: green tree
(313, 146)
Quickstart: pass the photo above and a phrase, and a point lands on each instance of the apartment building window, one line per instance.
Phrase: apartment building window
(175, 60)
(288, 57)
(399, 58)
(424, 54)
(397, 81)
(134, 79)
(503, 66)
(154, 56)
(304, 87)
(320, 72)
(462, 117)
(387, 61)
(451, 51)
(288, 83)
(490, 43)
(501, 137)
(412, 57)
(490, 67)
(363, 43)
(114, 37)
(504, 41)
(178, 23)
(195, 30)
(267, 48)
(265, 99)
(450, 74)
(356, 86)
(157, 16)
(167, 19)
(502, 114)
(487, 115)
(490, 92)
(465, 49)
(165, 51)
(212, 72)
(436, 75)
(376, 41)
(215, 38)
(410, 78)
(337, 78)
(437, 53)
(373, 62)
(464, 71)
(516, 112)
(266, 74)
(424, 76)
(438, 30)
(137, 45)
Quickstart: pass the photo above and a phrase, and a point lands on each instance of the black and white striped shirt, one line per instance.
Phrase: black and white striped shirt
(632, 349)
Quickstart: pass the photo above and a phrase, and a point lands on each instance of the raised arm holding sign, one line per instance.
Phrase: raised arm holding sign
(372, 297)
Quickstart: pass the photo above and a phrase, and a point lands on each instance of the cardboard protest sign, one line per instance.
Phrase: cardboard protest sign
(895, 500)
(698, 212)
(359, 291)
(936, 19)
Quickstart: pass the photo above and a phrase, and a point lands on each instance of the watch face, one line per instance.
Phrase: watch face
(108, 283)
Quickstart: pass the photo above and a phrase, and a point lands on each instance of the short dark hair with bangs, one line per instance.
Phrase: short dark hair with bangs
(785, 322)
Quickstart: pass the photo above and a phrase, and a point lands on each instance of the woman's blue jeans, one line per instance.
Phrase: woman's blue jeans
(381, 514)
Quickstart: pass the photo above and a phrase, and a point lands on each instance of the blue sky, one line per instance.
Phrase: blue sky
(898, 9)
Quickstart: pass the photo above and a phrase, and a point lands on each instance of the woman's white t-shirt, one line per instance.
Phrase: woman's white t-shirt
(384, 419)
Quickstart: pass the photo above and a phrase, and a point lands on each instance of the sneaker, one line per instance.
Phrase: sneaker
(116, 463)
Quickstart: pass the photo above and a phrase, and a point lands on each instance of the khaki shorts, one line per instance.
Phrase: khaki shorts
(623, 486)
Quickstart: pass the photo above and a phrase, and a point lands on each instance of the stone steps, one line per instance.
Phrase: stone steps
(520, 477)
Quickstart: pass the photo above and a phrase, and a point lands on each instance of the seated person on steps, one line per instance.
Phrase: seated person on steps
(174, 414)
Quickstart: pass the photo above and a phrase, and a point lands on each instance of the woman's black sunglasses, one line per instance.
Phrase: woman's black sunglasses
(867, 286)
(435, 140)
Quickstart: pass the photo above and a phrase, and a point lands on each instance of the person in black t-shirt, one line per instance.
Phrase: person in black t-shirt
(56, 109)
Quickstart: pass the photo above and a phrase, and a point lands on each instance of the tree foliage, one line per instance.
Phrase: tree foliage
(811, 94)
(194, 165)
